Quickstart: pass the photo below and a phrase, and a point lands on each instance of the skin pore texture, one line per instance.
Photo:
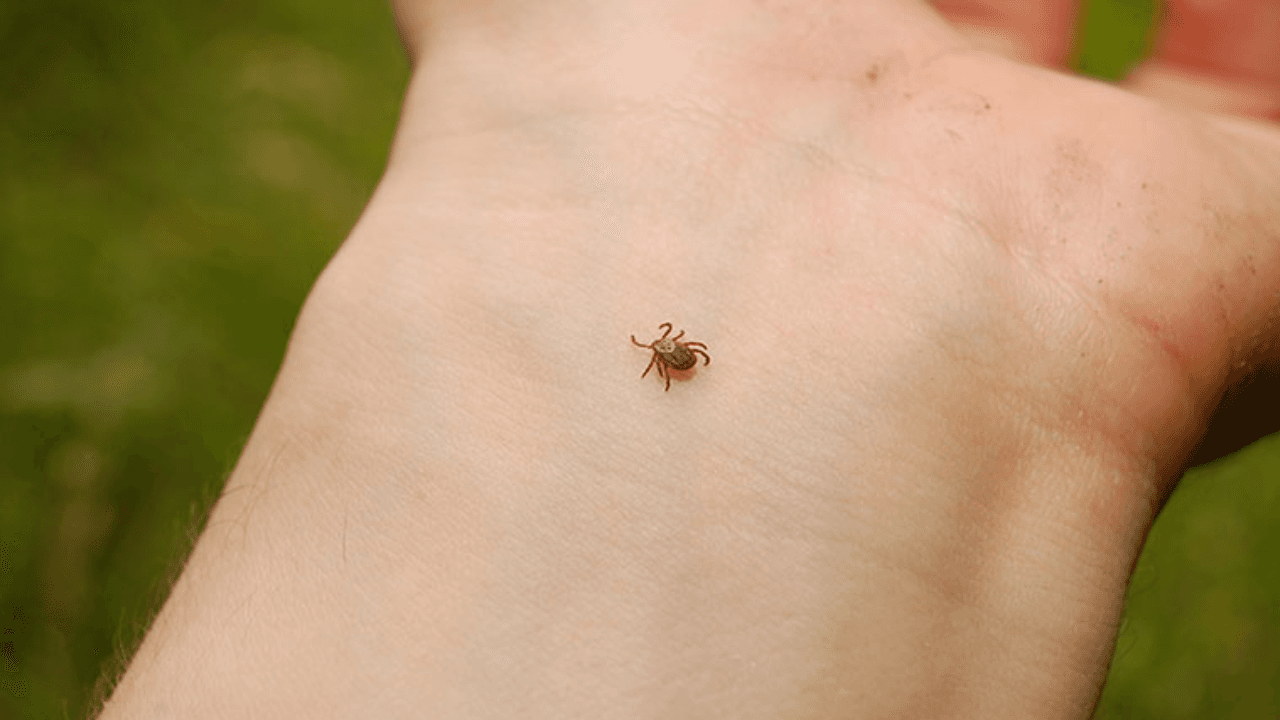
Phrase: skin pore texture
(969, 317)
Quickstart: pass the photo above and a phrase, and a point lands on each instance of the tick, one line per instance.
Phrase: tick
(671, 354)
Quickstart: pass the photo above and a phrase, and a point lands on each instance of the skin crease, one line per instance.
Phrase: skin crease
(970, 319)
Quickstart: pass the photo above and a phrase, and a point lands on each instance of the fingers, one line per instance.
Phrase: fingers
(1039, 31)
(1220, 56)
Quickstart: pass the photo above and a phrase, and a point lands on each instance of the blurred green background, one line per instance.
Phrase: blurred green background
(175, 175)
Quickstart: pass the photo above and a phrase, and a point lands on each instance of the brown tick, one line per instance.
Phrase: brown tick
(671, 354)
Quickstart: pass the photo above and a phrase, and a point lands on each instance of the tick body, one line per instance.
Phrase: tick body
(671, 354)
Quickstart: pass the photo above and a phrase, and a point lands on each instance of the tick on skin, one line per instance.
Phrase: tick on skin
(671, 354)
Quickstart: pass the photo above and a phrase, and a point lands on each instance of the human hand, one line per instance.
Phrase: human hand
(968, 318)
(1220, 56)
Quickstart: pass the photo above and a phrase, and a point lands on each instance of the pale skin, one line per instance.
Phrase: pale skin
(970, 318)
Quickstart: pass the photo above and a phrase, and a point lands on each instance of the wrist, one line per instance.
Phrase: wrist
(633, 47)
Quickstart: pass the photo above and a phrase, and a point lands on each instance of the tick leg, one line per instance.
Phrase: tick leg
(676, 338)
(668, 374)
(706, 357)
(663, 370)
(695, 344)
(668, 332)
(638, 343)
(652, 360)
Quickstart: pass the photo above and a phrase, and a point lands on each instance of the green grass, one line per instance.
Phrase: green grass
(176, 175)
